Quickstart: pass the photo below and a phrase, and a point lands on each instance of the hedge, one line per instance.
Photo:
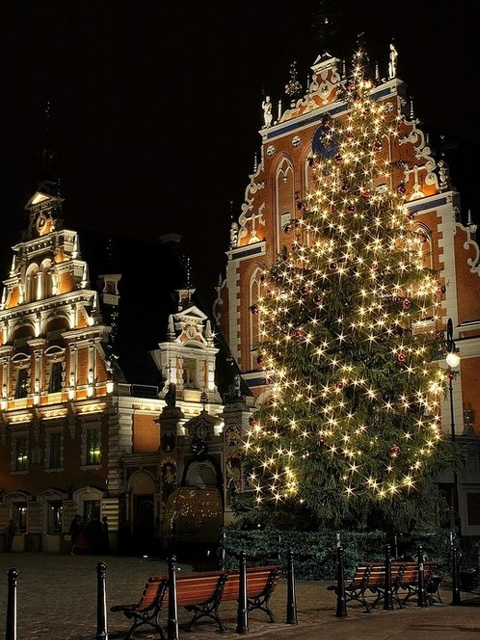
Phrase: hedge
(316, 552)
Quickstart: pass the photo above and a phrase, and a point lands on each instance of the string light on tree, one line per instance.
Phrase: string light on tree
(353, 420)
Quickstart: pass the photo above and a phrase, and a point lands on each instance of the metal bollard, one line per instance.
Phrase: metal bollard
(455, 585)
(422, 595)
(172, 623)
(291, 595)
(102, 631)
(341, 597)
(242, 611)
(388, 598)
(11, 632)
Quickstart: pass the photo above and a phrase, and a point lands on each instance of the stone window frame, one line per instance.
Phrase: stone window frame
(49, 432)
(21, 469)
(21, 362)
(54, 355)
(93, 425)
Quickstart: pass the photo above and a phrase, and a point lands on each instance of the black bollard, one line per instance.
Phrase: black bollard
(242, 612)
(102, 631)
(291, 595)
(11, 632)
(455, 585)
(341, 597)
(172, 624)
(422, 595)
(388, 598)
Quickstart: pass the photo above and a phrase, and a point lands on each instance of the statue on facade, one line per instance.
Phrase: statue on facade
(267, 112)
(171, 395)
(392, 64)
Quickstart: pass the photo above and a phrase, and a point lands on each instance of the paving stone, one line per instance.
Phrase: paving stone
(57, 601)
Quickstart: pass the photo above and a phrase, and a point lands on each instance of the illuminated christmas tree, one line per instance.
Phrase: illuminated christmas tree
(347, 338)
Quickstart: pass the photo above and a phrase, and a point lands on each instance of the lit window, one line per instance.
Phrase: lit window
(22, 387)
(55, 382)
(20, 517)
(20, 454)
(93, 446)
(189, 373)
(54, 516)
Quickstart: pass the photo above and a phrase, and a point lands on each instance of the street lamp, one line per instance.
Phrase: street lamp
(453, 361)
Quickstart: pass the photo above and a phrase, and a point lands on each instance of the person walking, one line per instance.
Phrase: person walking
(74, 532)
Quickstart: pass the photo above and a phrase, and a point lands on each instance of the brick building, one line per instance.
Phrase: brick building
(289, 138)
(86, 430)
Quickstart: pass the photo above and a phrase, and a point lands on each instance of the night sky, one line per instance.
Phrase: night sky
(156, 104)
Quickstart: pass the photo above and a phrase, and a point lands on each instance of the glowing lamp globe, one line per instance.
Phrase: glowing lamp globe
(453, 359)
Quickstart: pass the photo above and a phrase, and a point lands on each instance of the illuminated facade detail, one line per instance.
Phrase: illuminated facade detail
(75, 436)
(449, 246)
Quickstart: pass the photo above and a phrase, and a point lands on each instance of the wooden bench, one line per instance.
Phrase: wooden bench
(147, 609)
(261, 583)
(409, 581)
(202, 593)
(369, 580)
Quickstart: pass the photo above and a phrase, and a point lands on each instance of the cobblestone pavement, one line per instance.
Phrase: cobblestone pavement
(57, 601)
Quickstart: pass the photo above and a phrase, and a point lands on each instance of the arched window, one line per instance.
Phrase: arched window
(45, 285)
(254, 330)
(31, 282)
(285, 198)
(425, 237)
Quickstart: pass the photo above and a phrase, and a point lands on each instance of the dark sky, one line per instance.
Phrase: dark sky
(156, 104)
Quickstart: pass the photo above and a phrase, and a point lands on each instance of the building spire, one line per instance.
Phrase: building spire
(46, 152)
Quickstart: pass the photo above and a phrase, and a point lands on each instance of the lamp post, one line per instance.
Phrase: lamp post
(453, 360)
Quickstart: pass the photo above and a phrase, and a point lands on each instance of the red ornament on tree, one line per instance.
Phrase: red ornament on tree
(318, 300)
(375, 266)
(377, 145)
(260, 360)
(344, 187)
(339, 158)
(402, 189)
(351, 208)
(333, 266)
(401, 357)
(304, 291)
(287, 228)
(312, 162)
(301, 206)
(406, 303)
(254, 309)
(395, 449)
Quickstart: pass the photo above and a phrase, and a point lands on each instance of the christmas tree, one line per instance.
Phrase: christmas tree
(347, 319)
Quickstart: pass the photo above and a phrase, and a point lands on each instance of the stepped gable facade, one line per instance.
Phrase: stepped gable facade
(281, 181)
(78, 435)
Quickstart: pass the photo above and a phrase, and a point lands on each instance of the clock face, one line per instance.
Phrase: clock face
(201, 432)
(324, 143)
(40, 222)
